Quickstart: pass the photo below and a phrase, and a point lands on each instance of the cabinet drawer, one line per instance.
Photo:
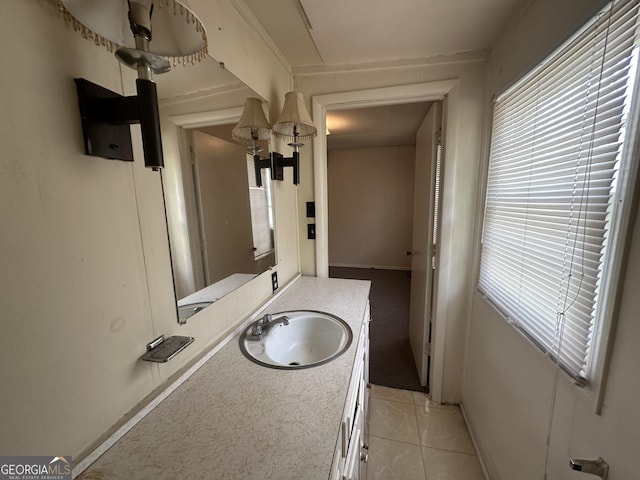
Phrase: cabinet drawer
(354, 396)
(337, 466)
(346, 460)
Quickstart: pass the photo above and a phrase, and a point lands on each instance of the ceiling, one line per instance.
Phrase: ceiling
(390, 125)
(337, 32)
(312, 33)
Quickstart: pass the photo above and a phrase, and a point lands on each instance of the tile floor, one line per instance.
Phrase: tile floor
(412, 438)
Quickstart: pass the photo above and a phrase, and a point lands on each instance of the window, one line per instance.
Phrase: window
(554, 183)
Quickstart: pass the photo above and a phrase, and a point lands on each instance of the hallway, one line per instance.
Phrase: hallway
(390, 358)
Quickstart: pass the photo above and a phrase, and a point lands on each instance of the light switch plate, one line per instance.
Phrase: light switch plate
(311, 231)
(311, 209)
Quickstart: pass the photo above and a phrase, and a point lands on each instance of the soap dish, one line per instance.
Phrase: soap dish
(164, 349)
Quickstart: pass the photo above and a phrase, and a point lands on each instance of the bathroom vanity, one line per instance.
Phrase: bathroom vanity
(235, 419)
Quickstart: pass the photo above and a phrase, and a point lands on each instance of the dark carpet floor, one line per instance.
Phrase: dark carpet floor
(391, 362)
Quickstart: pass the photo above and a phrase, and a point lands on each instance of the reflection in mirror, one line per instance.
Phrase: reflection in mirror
(221, 225)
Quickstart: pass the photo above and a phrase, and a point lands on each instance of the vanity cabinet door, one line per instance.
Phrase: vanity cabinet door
(352, 463)
(337, 466)
(352, 448)
(365, 389)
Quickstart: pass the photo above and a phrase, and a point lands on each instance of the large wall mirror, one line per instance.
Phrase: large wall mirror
(220, 223)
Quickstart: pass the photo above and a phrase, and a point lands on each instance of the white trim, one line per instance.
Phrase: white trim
(476, 442)
(149, 407)
(419, 92)
(206, 94)
(622, 237)
(375, 267)
(476, 56)
(207, 119)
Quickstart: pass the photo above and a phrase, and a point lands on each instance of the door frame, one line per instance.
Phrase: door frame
(445, 91)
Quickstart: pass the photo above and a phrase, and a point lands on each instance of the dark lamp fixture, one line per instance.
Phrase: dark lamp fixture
(294, 123)
(143, 34)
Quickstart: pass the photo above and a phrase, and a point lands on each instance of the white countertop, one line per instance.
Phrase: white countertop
(234, 419)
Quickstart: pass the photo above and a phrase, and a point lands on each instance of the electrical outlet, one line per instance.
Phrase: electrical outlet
(274, 281)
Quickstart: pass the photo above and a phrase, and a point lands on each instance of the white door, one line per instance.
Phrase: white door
(425, 210)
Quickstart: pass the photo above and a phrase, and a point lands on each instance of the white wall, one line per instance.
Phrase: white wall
(511, 396)
(371, 206)
(84, 264)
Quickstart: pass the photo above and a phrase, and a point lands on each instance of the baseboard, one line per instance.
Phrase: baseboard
(476, 444)
(377, 267)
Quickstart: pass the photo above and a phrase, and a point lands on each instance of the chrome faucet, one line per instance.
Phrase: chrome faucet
(595, 467)
(262, 326)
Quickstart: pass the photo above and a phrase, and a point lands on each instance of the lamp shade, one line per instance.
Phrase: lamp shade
(175, 30)
(253, 124)
(294, 121)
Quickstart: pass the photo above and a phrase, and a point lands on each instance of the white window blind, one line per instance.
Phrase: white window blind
(555, 156)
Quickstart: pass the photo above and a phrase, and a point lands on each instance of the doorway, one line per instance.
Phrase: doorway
(373, 167)
(448, 92)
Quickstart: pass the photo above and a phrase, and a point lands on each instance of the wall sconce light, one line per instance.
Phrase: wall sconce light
(160, 28)
(253, 127)
(294, 122)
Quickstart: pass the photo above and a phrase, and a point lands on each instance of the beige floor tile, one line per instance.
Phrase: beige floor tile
(444, 429)
(393, 421)
(424, 403)
(390, 460)
(443, 465)
(393, 394)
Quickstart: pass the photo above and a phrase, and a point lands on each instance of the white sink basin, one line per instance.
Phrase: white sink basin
(307, 339)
